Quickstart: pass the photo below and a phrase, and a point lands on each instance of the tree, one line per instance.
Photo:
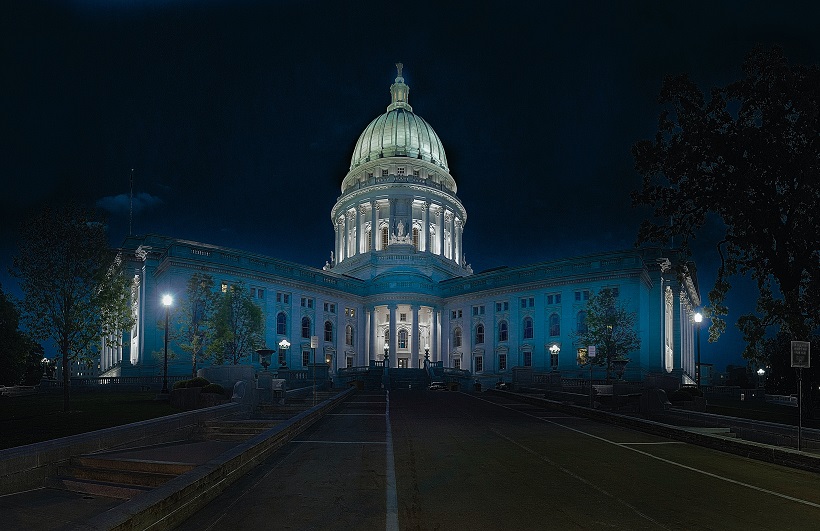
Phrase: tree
(611, 328)
(750, 155)
(237, 325)
(195, 318)
(14, 345)
(74, 291)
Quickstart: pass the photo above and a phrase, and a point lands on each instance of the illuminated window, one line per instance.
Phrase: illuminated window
(402, 338)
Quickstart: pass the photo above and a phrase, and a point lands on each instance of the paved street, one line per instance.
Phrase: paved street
(478, 461)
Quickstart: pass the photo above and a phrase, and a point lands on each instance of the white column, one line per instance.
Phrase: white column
(434, 346)
(367, 336)
(414, 340)
(374, 226)
(440, 230)
(393, 354)
(374, 329)
(336, 258)
(425, 227)
(360, 236)
(457, 241)
(448, 220)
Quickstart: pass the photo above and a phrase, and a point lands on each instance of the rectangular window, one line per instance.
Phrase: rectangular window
(253, 293)
(350, 312)
(260, 293)
(528, 302)
(403, 317)
(478, 310)
(400, 171)
(502, 306)
(455, 314)
(384, 173)
(330, 307)
(283, 297)
(554, 298)
(479, 363)
(582, 295)
(349, 362)
(224, 287)
(554, 359)
(307, 302)
(305, 358)
(370, 175)
(415, 173)
(527, 359)
(456, 363)
(502, 362)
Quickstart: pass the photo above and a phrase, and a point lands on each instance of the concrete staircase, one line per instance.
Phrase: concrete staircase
(409, 379)
(114, 478)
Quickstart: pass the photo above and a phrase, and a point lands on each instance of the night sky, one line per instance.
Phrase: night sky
(239, 118)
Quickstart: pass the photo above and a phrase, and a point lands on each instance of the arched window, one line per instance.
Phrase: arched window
(402, 338)
(384, 238)
(582, 322)
(503, 331)
(281, 323)
(479, 333)
(528, 332)
(416, 238)
(306, 327)
(555, 325)
(349, 336)
(457, 337)
(328, 331)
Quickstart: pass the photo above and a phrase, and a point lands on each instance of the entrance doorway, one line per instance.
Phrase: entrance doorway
(402, 363)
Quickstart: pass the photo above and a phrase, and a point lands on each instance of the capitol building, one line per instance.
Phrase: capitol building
(397, 282)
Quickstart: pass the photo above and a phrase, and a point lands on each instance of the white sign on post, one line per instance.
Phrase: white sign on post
(314, 341)
(801, 354)
(591, 351)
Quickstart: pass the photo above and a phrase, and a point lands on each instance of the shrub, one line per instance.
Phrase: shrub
(198, 382)
(214, 388)
(182, 384)
(681, 395)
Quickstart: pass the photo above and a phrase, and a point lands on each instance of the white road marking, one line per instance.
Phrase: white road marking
(354, 414)
(392, 523)
(681, 465)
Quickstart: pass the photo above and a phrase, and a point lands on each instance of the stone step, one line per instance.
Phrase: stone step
(724, 432)
(135, 465)
(116, 476)
(96, 488)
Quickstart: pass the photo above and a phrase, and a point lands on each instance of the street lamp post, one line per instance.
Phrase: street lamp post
(284, 345)
(761, 373)
(698, 319)
(554, 350)
(167, 301)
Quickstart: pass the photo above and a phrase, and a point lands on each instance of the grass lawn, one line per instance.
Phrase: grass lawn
(40, 417)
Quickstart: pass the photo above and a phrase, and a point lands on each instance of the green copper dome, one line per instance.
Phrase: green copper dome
(399, 133)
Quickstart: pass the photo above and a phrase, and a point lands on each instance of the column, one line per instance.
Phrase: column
(448, 221)
(440, 230)
(336, 247)
(457, 241)
(425, 227)
(393, 361)
(434, 346)
(414, 340)
(360, 236)
(374, 328)
(367, 336)
(374, 226)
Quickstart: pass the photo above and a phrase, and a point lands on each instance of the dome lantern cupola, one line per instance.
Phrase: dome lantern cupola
(400, 92)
